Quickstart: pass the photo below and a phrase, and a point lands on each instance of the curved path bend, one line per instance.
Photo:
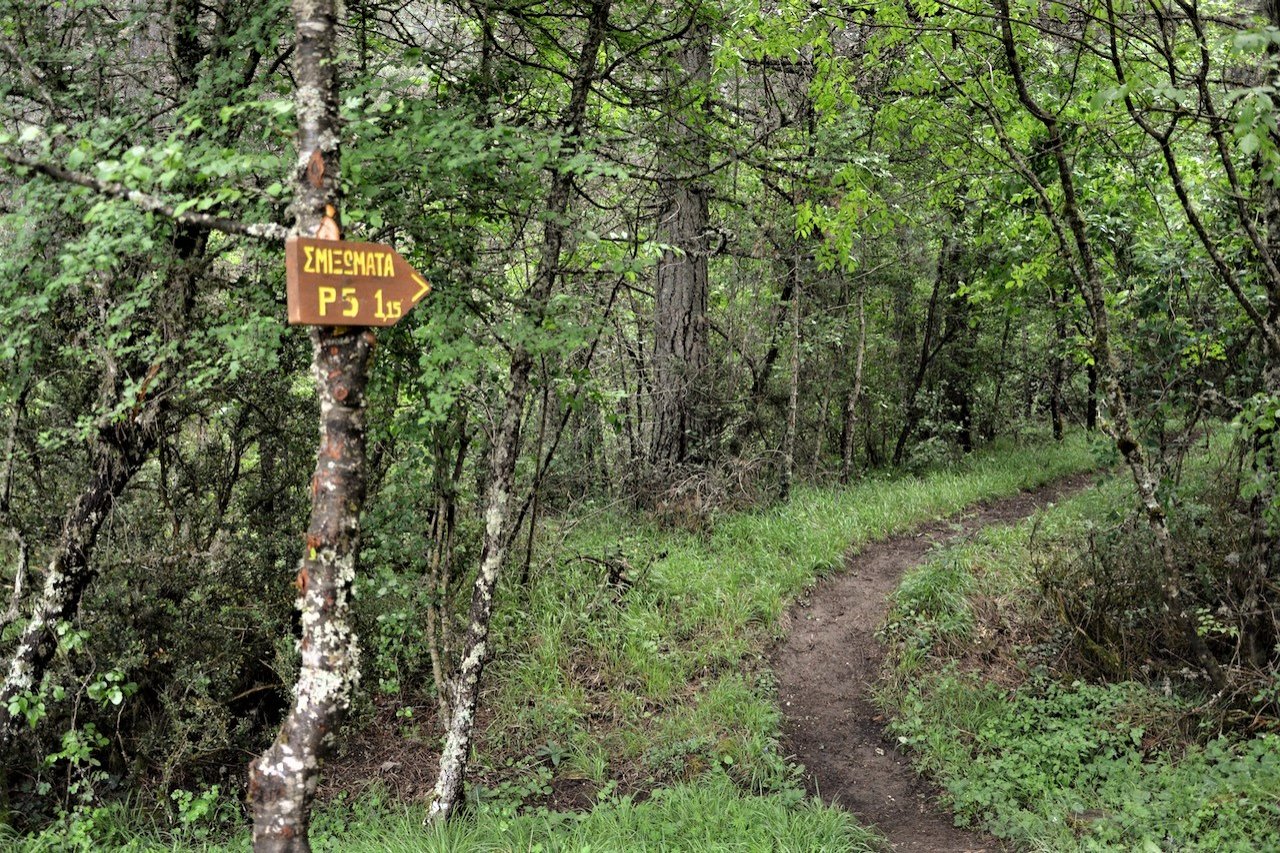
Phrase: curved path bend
(830, 659)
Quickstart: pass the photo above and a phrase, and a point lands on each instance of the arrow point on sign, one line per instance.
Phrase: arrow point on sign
(423, 286)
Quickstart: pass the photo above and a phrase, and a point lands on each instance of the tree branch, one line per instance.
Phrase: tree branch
(268, 231)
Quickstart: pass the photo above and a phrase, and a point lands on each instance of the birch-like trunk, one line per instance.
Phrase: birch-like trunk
(283, 780)
(506, 444)
(854, 394)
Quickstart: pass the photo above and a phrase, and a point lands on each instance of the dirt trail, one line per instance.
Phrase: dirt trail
(830, 658)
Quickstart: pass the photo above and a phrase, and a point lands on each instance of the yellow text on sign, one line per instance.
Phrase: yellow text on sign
(329, 296)
(388, 310)
(323, 260)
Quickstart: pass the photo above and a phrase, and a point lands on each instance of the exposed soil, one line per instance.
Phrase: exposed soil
(829, 661)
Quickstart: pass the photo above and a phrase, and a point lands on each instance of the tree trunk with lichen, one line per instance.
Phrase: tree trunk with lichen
(506, 443)
(282, 782)
(117, 456)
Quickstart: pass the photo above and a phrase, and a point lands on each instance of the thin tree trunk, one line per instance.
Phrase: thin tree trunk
(760, 377)
(793, 394)
(1057, 412)
(440, 561)
(1120, 427)
(1091, 405)
(506, 444)
(6, 493)
(911, 407)
(990, 428)
(820, 439)
(283, 780)
(852, 396)
(536, 493)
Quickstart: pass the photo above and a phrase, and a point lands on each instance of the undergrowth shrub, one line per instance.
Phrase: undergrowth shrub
(1030, 671)
(1091, 767)
(1100, 588)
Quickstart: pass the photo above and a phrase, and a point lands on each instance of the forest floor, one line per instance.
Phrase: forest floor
(830, 660)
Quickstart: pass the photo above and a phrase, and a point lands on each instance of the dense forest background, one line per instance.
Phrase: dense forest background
(684, 257)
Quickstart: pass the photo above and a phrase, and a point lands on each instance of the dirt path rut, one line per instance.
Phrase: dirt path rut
(830, 658)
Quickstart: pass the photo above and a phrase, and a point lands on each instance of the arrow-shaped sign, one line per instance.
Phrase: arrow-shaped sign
(337, 283)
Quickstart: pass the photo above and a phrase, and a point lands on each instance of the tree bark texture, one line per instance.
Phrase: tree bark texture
(680, 305)
(283, 780)
(117, 457)
(506, 444)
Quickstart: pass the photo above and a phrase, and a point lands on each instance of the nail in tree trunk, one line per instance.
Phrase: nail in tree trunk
(680, 309)
(506, 443)
(282, 782)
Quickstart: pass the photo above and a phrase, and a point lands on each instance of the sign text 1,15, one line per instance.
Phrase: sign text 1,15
(337, 283)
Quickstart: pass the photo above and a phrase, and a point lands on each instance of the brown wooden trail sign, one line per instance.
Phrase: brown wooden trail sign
(339, 283)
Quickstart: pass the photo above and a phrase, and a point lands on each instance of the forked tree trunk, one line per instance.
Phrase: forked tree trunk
(506, 445)
(282, 782)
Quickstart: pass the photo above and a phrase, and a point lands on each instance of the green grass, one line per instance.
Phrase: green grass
(676, 660)
(713, 815)
(663, 688)
(1059, 766)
